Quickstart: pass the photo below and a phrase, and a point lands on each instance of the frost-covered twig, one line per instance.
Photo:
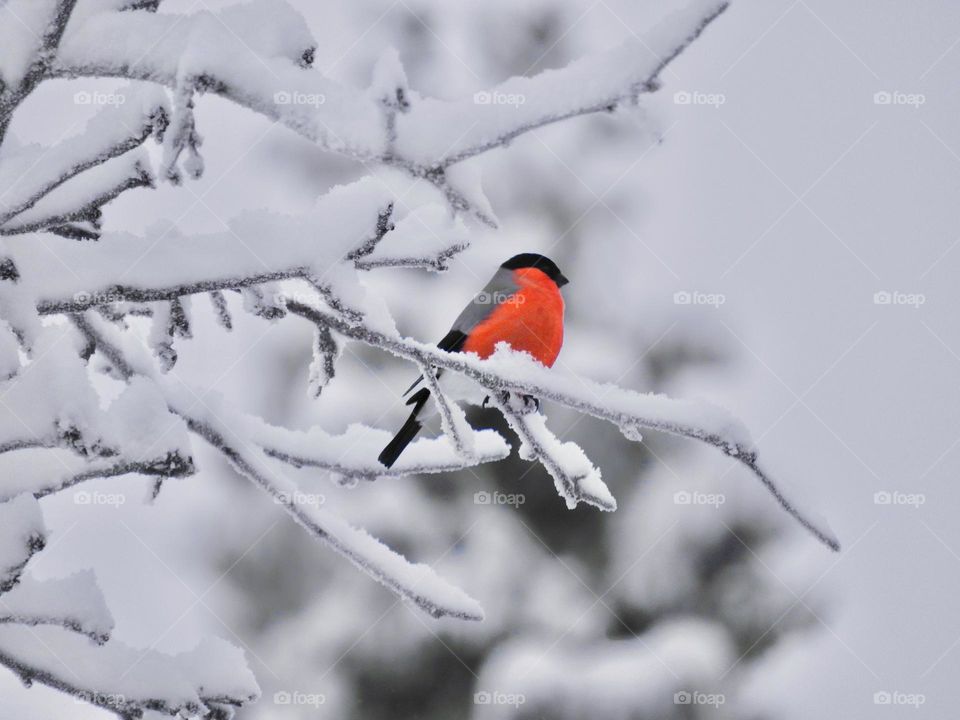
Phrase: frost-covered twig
(48, 33)
(575, 477)
(452, 417)
(128, 681)
(170, 465)
(438, 134)
(73, 602)
(66, 214)
(22, 533)
(30, 174)
(123, 268)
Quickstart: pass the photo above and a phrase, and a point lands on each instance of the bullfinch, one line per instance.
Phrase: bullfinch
(521, 306)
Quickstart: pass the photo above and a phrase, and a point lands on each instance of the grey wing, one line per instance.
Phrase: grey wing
(498, 290)
(495, 292)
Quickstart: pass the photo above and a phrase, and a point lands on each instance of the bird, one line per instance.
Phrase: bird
(521, 306)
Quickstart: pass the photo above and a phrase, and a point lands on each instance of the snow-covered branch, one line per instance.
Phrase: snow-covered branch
(56, 632)
(438, 134)
(254, 449)
(27, 175)
(65, 212)
(127, 681)
(330, 241)
(417, 583)
(30, 54)
(225, 53)
(575, 477)
(630, 411)
(73, 602)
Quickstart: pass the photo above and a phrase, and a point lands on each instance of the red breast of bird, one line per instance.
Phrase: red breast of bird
(529, 318)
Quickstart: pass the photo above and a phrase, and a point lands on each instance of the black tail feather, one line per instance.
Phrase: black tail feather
(408, 432)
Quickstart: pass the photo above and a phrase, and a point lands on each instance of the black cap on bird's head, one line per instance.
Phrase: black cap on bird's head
(540, 262)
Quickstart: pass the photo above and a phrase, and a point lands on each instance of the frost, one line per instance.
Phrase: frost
(22, 533)
(126, 680)
(74, 602)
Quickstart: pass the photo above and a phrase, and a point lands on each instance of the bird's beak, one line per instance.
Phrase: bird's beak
(561, 280)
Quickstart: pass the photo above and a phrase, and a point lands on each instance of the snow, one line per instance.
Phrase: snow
(416, 582)
(355, 451)
(388, 78)
(22, 534)
(27, 172)
(574, 476)
(427, 236)
(88, 190)
(120, 677)
(56, 405)
(249, 52)
(258, 245)
(609, 678)
(75, 602)
(442, 132)
(22, 23)
(9, 353)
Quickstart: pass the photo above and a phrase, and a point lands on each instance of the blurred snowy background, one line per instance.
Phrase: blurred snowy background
(775, 230)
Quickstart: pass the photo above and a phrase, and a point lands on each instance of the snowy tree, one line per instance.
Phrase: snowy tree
(85, 309)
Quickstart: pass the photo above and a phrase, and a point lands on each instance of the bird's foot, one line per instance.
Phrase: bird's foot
(520, 404)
